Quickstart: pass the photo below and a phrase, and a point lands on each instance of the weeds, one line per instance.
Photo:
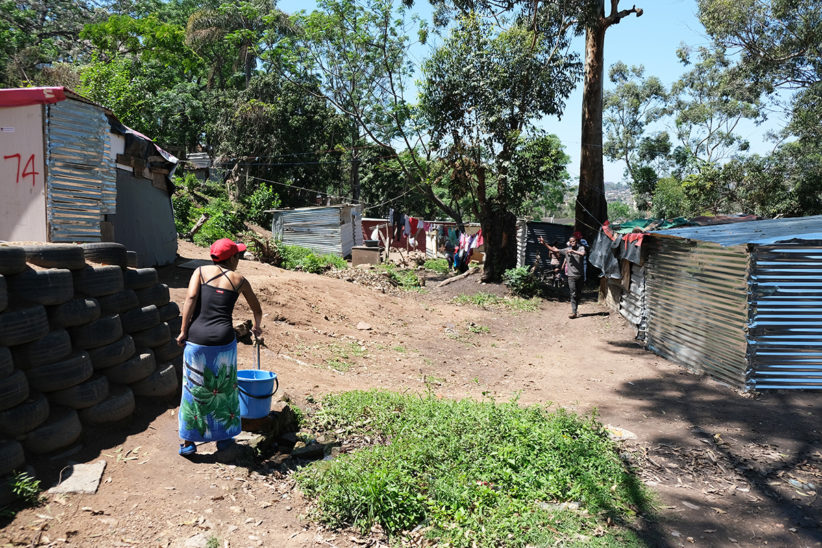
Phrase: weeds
(26, 490)
(342, 353)
(487, 300)
(404, 279)
(300, 258)
(474, 473)
(437, 265)
(478, 329)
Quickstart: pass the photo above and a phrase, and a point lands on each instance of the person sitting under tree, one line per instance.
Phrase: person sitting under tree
(575, 268)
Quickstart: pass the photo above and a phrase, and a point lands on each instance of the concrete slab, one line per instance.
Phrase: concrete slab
(81, 478)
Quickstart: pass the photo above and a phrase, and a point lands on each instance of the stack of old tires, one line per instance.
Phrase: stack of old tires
(81, 333)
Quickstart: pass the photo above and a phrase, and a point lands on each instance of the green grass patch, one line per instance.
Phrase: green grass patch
(474, 473)
(488, 300)
(342, 354)
(478, 329)
(437, 265)
(295, 257)
(405, 279)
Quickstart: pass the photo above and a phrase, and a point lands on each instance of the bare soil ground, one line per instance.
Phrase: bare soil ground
(728, 469)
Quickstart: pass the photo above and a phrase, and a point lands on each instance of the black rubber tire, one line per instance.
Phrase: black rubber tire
(112, 354)
(25, 417)
(98, 281)
(60, 375)
(174, 326)
(22, 325)
(12, 259)
(140, 278)
(163, 382)
(6, 362)
(14, 389)
(134, 369)
(157, 295)
(68, 256)
(140, 319)
(117, 406)
(82, 395)
(153, 336)
(168, 311)
(132, 259)
(98, 333)
(109, 253)
(167, 352)
(62, 428)
(178, 366)
(12, 456)
(4, 294)
(49, 286)
(75, 312)
(119, 302)
(54, 346)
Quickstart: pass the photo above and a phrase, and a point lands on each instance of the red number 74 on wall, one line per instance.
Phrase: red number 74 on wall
(28, 169)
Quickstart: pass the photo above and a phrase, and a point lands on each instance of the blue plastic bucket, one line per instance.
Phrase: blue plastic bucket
(256, 388)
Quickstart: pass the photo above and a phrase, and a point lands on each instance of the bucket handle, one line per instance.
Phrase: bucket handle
(265, 397)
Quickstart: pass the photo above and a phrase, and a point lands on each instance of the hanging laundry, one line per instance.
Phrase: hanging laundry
(413, 223)
(391, 216)
(407, 225)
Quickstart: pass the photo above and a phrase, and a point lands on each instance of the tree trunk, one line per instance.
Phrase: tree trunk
(499, 230)
(591, 207)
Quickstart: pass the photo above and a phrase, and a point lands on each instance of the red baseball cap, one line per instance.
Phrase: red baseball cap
(225, 249)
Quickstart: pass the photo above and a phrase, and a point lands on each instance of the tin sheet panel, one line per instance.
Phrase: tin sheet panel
(785, 325)
(323, 230)
(552, 233)
(696, 296)
(762, 232)
(632, 302)
(81, 184)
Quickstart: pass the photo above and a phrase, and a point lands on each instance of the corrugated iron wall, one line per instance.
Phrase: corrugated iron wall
(322, 229)
(528, 246)
(696, 296)
(80, 184)
(632, 302)
(785, 326)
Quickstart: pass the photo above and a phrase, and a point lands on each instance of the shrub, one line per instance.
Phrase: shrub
(257, 202)
(224, 222)
(521, 281)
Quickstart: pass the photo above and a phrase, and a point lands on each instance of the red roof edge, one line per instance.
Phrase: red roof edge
(19, 97)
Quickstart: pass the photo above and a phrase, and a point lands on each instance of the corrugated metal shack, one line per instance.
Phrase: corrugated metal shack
(328, 229)
(740, 302)
(529, 250)
(71, 172)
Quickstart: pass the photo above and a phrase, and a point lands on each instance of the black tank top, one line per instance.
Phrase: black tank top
(213, 323)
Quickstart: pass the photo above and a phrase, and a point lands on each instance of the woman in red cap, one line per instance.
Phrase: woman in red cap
(210, 404)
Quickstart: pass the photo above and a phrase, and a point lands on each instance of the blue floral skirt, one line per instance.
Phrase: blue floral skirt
(210, 404)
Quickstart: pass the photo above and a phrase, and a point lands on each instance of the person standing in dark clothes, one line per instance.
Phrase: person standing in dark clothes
(210, 404)
(575, 269)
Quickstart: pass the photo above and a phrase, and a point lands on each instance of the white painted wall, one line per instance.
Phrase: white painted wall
(22, 174)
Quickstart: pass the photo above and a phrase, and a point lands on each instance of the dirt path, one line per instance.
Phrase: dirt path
(729, 470)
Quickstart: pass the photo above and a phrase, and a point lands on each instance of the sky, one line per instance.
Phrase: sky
(650, 40)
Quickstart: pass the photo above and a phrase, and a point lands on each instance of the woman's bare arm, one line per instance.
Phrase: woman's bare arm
(256, 309)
